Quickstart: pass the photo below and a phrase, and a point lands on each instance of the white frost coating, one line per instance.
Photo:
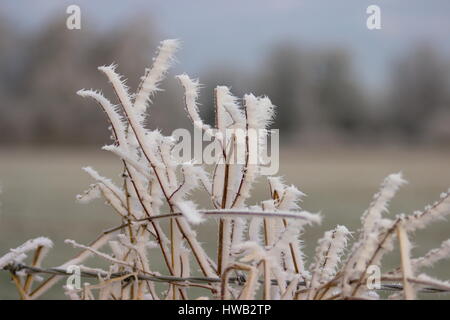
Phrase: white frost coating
(90, 194)
(113, 200)
(192, 175)
(260, 111)
(289, 235)
(251, 251)
(233, 114)
(144, 170)
(96, 252)
(239, 228)
(118, 250)
(120, 88)
(203, 176)
(433, 281)
(106, 182)
(290, 199)
(191, 178)
(420, 219)
(432, 256)
(189, 211)
(373, 225)
(328, 255)
(191, 88)
(153, 140)
(156, 74)
(19, 254)
(113, 116)
(287, 197)
(276, 186)
(246, 185)
(381, 200)
(308, 217)
(254, 230)
(287, 249)
(165, 149)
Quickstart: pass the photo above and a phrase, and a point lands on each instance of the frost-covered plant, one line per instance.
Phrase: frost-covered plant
(259, 251)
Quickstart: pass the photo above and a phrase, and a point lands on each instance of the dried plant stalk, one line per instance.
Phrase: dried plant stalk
(407, 272)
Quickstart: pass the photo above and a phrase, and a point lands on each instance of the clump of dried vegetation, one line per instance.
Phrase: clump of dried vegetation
(259, 251)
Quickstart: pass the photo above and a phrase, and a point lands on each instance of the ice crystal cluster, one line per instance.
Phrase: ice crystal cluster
(259, 249)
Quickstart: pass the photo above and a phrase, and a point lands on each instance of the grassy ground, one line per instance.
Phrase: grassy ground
(39, 189)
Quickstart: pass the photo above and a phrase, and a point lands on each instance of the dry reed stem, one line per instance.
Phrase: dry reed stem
(407, 272)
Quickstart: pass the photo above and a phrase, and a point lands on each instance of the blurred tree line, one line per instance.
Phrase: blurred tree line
(319, 95)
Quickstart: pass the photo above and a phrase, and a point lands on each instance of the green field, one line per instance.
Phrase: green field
(39, 189)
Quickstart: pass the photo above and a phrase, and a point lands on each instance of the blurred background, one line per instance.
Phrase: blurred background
(353, 104)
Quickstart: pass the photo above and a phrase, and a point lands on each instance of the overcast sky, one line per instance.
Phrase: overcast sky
(241, 32)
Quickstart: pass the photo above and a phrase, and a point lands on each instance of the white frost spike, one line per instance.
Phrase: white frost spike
(290, 198)
(238, 231)
(373, 224)
(110, 110)
(118, 250)
(191, 88)
(433, 256)
(288, 235)
(228, 102)
(445, 285)
(246, 185)
(310, 218)
(276, 185)
(91, 194)
(436, 212)
(145, 171)
(328, 255)
(96, 252)
(381, 200)
(19, 253)
(254, 230)
(106, 182)
(252, 251)
(156, 74)
(153, 140)
(203, 176)
(189, 211)
(192, 175)
(165, 150)
(260, 111)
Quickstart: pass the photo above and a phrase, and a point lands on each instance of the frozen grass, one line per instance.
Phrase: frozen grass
(259, 249)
